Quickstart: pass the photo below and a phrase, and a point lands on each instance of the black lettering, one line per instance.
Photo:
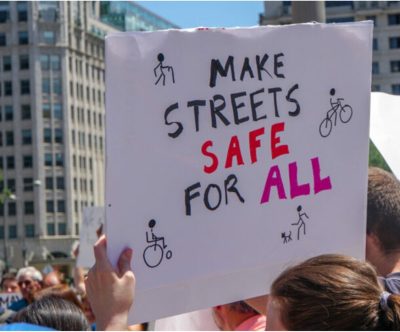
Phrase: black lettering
(216, 111)
(179, 130)
(196, 104)
(189, 196)
(260, 66)
(278, 64)
(235, 108)
(274, 91)
(289, 98)
(254, 105)
(231, 188)
(207, 201)
(216, 68)
(246, 69)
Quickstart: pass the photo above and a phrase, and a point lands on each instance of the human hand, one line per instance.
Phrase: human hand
(110, 290)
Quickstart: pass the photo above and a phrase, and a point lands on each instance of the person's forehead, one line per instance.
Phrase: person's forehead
(25, 277)
(9, 281)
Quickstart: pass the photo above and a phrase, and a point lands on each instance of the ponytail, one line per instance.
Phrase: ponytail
(390, 312)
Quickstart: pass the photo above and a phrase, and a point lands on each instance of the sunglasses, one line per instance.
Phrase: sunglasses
(24, 283)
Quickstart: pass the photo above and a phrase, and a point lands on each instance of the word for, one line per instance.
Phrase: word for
(234, 151)
(212, 189)
(246, 68)
(243, 107)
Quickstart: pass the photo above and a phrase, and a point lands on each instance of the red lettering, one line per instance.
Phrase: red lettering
(214, 159)
(276, 150)
(234, 152)
(255, 143)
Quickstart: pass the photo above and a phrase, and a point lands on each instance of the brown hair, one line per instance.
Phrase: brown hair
(62, 291)
(334, 292)
(383, 217)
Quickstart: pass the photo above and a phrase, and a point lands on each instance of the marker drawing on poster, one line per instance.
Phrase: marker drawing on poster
(91, 228)
(232, 153)
(7, 298)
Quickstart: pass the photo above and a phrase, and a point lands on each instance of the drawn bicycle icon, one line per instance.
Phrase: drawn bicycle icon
(153, 254)
(345, 114)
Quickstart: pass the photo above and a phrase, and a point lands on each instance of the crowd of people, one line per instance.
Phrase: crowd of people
(327, 292)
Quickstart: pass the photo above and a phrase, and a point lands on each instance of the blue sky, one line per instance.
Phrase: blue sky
(189, 14)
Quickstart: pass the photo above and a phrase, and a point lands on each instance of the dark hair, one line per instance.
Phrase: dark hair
(383, 217)
(62, 291)
(242, 307)
(8, 276)
(54, 312)
(334, 292)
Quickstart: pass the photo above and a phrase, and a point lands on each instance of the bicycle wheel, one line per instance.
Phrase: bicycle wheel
(153, 255)
(346, 113)
(325, 127)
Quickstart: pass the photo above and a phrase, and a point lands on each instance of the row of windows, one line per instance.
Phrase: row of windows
(395, 88)
(82, 140)
(57, 111)
(55, 88)
(50, 206)
(9, 112)
(60, 183)
(26, 137)
(29, 208)
(48, 134)
(83, 205)
(23, 62)
(96, 72)
(80, 115)
(24, 88)
(80, 93)
(57, 159)
(47, 37)
(50, 61)
(13, 234)
(22, 11)
(394, 67)
(82, 162)
(27, 162)
(28, 184)
(83, 185)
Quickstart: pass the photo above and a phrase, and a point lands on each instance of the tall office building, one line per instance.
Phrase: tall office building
(386, 41)
(52, 119)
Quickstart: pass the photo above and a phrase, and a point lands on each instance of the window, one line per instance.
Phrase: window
(57, 88)
(49, 183)
(49, 37)
(10, 162)
(12, 231)
(61, 206)
(62, 228)
(48, 159)
(395, 66)
(3, 39)
(23, 38)
(9, 138)
(375, 68)
(55, 62)
(1, 138)
(28, 207)
(8, 113)
(11, 184)
(26, 112)
(50, 206)
(28, 161)
(51, 229)
(58, 135)
(12, 208)
(46, 111)
(4, 11)
(374, 44)
(394, 19)
(44, 62)
(7, 63)
(45, 85)
(24, 61)
(394, 42)
(22, 8)
(8, 91)
(47, 135)
(28, 184)
(26, 136)
(30, 230)
(59, 159)
(60, 182)
(1, 230)
(25, 87)
(57, 109)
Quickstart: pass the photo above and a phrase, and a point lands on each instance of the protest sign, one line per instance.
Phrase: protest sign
(200, 320)
(232, 153)
(91, 229)
(7, 298)
(384, 131)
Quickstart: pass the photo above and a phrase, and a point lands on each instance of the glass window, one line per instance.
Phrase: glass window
(48, 159)
(62, 228)
(12, 231)
(60, 183)
(46, 111)
(28, 207)
(26, 136)
(28, 161)
(395, 66)
(61, 206)
(4, 11)
(50, 206)
(30, 230)
(1, 228)
(8, 113)
(10, 162)
(57, 109)
(25, 87)
(7, 63)
(3, 39)
(9, 138)
(394, 42)
(55, 62)
(12, 208)
(24, 61)
(28, 184)
(44, 62)
(45, 85)
(394, 19)
(8, 91)
(1, 139)
(51, 229)
(22, 8)
(57, 86)
(11, 184)
(49, 37)
(59, 159)
(26, 112)
(49, 183)
(23, 38)
(58, 135)
(47, 135)
(375, 68)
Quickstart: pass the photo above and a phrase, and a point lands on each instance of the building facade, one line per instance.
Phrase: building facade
(52, 119)
(386, 40)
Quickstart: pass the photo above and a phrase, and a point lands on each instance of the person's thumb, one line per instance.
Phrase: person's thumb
(124, 261)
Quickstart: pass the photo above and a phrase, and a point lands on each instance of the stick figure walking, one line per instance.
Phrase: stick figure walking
(300, 222)
(160, 67)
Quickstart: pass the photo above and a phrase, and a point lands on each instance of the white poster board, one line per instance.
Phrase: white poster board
(7, 298)
(199, 320)
(232, 153)
(384, 131)
(93, 221)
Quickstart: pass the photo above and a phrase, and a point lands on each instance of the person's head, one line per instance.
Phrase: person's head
(228, 316)
(51, 279)
(383, 219)
(62, 291)
(29, 281)
(9, 283)
(331, 292)
(54, 312)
